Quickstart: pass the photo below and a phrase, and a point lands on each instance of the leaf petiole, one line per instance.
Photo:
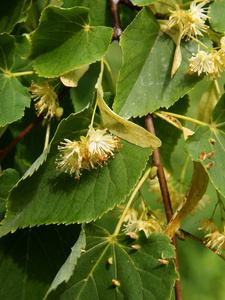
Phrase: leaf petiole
(157, 113)
(22, 73)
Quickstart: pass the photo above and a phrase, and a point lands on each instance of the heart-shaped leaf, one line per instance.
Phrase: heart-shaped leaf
(66, 36)
(145, 82)
(111, 269)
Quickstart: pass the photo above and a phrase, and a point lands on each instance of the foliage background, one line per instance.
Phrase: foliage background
(202, 272)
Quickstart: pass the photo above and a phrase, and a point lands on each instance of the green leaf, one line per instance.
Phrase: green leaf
(23, 48)
(164, 6)
(57, 197)
(13, 95)
(138, 273)
(203, 140)
(8, 179)
(13, 100)
(67, 269)
(30, 259)
(216, 13)
(124, 129)
(99, 10)
(65, 35)
(168, 134)
(144, 83)
(2, 130)
(12, 12)
(142, 2)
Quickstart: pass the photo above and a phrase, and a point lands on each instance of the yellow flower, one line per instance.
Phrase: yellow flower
(190, 22)
(131, 215)
(95, 148)
(46, 97)
(101, 145)
(216, 240)
(208, 225)
(149, 221)
(218, 62)
(195, 26)
(71, 157)
(198, 11)
(202, 62)
(148, 226)
(178, 17)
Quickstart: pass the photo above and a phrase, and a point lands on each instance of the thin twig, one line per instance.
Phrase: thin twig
(195, 238)
(117, 28)
(22, 134)
(156, 161)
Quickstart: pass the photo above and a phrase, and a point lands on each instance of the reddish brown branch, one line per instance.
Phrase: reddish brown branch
(22, 134)
(195, 238)
(117, 28)
(156, 161)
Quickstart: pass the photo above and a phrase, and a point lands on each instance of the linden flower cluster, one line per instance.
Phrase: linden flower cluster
(215, 239)
(146, 220)
(47, 100)
(209, 63)
(191, 22)
(97, 147)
